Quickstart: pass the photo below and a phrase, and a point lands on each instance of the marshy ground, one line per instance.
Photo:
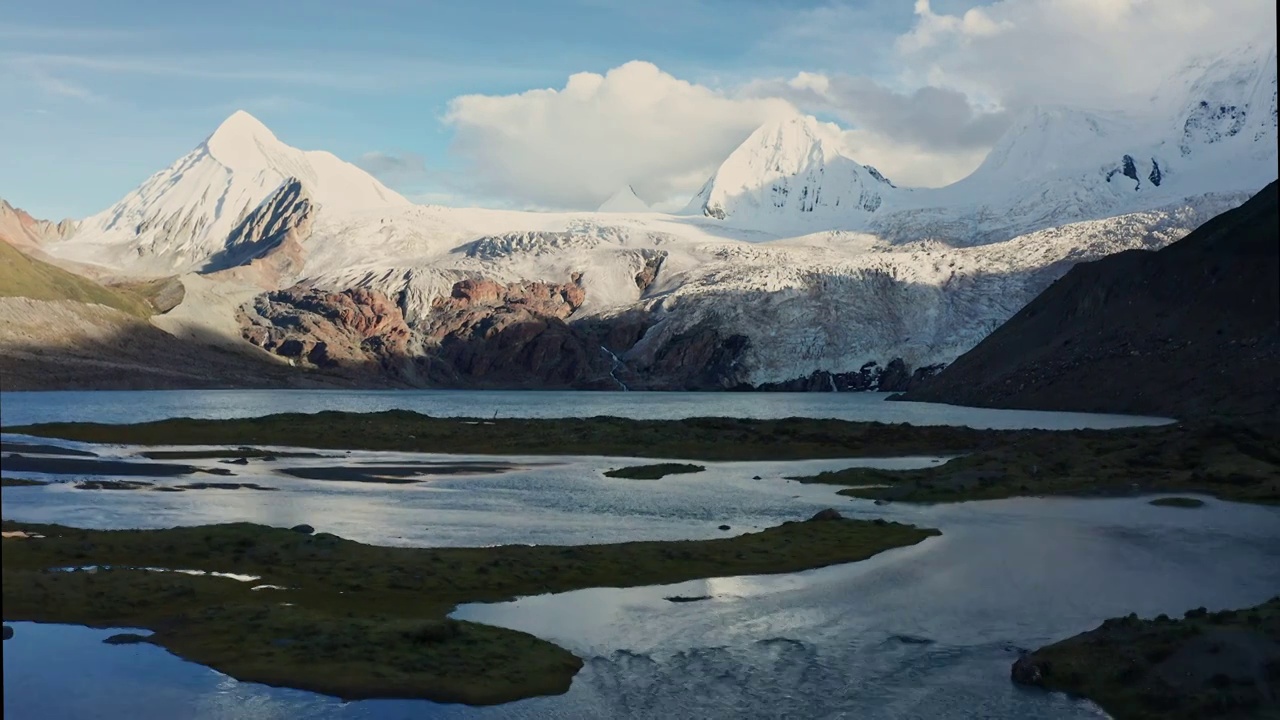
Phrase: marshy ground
(1204, 665)
(361, 621)
(410, 649)
(1231, 462)
(1227, 460)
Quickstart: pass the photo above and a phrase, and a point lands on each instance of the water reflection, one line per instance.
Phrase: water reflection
(927, 631)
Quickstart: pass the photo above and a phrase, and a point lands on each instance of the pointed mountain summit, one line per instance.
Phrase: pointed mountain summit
(240, 139)
(624, 200)
(790, 169)
(184, 215)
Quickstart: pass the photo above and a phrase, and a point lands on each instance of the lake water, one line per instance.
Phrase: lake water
(132, 406)
(928, 631)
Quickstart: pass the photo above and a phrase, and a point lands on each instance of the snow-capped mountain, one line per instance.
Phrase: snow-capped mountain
(183, 215)
(1226, 102)
(1210, 128)
(789, 170)
(623, 201)
(793, 258)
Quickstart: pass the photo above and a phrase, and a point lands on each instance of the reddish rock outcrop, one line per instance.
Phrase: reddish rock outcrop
(487, 334)
(355, 329)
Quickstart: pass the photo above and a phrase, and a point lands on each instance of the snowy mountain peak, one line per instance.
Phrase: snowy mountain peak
(238, 135)
(1229, 98)
(794, 140)
(240, 126)
(624, 200)
(791, 168)
(1046, 138)
(186, 214)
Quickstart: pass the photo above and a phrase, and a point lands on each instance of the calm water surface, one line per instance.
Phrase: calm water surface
(922, 632)
(133, 406)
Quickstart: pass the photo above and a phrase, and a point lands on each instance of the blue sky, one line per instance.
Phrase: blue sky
(102, 93)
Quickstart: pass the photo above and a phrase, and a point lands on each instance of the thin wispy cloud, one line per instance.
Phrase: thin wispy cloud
(54, 33)
(46, 82)
(347, 73)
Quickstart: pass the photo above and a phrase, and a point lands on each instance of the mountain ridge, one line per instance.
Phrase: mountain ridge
(841, 271)
(1192, 329)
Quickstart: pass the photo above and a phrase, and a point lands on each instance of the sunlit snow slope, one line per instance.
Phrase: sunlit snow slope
(182, 216)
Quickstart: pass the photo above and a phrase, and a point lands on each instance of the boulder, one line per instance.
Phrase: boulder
(828, 514)
(1028, 671)
(304, 529)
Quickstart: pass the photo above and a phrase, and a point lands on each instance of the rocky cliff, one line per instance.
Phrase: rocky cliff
(488, 334)
(1190, 330)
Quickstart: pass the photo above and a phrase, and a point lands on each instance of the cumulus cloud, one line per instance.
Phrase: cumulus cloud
(1101, 53)
(939, 95)
(931, 27)
(929, 117)
(575, 146)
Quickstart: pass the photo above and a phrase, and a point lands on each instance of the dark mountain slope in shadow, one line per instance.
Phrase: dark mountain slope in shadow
(1190, 330)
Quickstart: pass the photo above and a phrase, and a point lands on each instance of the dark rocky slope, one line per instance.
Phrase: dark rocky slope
(1189, 330)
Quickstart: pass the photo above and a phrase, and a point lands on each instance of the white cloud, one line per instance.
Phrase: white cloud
(928, 117)
(1099, 53)
(942, 93)
(575, 146)
(909, 164)
(930, 27)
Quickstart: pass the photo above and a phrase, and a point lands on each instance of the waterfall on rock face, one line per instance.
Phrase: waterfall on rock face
(613, 370)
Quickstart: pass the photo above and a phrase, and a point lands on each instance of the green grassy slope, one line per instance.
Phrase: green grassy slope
(24, 276)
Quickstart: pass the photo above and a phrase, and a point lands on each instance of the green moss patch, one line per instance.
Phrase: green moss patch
(6, 481)
(654, 472)
(1233, 462)
(97, 466)
(39, 449)
(1205, 665)
(360, 621)
(1178, 502)
(400, 430)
